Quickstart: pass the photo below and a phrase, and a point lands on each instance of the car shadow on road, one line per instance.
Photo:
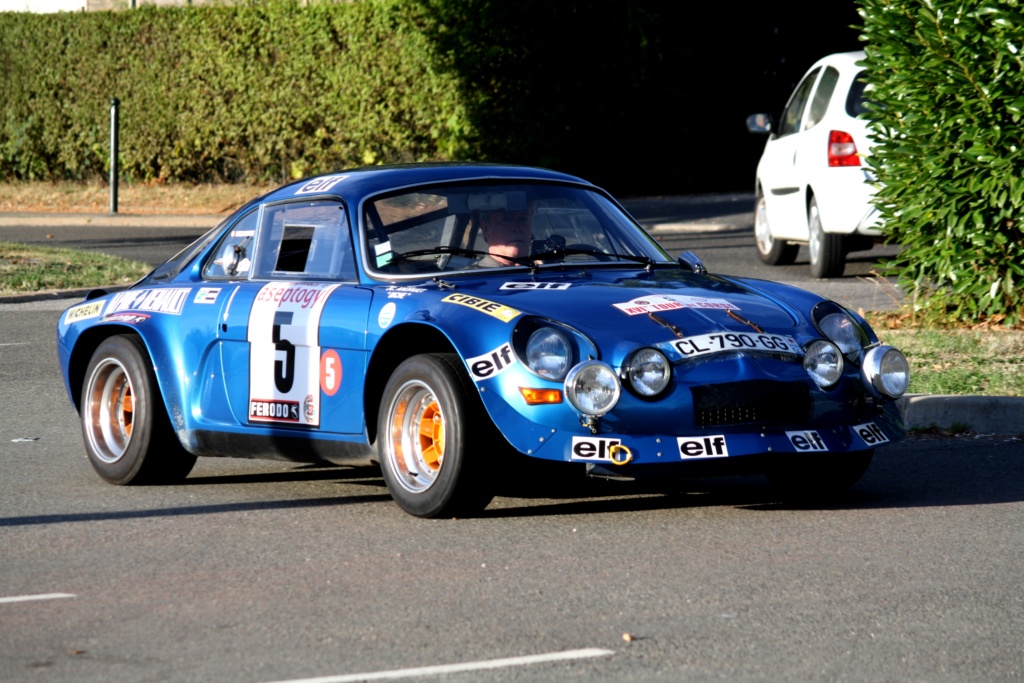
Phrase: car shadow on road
(919, 473)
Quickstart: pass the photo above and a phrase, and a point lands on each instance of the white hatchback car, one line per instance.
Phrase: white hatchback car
(813, 186)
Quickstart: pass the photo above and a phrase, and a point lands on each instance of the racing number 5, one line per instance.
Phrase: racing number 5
(284, 370)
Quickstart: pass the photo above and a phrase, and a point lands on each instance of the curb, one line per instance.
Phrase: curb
(106, 220)
(998, 415)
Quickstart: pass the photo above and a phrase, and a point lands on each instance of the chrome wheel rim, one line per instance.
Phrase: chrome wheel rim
(762, 232)
(814, 239)
(415, 446)
(109, 410)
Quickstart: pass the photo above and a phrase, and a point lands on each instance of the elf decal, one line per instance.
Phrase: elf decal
(284, 353)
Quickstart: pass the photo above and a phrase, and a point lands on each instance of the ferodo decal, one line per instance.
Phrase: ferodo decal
(491, 308)
(169, 301)
(88, 310)
(285, 366)
(658, 302)
(698, 447)
(807, 442)
(492, 363)
(321, 184)
(593, 449)
(537, 285)
(871, 434)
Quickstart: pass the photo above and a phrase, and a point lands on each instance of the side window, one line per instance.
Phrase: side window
(232, 258)
(856, 100)
(307, 240)
(822, 96)
(794, 112)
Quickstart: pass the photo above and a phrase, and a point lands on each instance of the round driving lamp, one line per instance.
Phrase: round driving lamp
(886, 372)
(823, 361)
(592, 388)
(647, 371)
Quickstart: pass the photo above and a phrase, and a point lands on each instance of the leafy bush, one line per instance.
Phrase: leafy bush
(948, 90)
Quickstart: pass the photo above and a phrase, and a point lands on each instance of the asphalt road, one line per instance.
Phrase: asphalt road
(253, 572)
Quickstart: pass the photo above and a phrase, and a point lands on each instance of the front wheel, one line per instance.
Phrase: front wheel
(828, 256)
(128, 437)
(429, 430)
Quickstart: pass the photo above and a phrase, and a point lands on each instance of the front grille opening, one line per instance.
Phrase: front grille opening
(762, 402)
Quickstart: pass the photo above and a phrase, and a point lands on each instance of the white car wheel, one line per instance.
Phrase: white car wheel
(828, 258)
(772, 251)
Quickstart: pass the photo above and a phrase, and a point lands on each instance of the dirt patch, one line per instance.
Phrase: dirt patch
(137, 199)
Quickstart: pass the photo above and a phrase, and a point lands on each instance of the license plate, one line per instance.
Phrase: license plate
(718, 342)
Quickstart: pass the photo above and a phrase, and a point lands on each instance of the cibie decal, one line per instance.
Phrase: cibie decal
(491, 308)
(871, 434)
(206, 295)
(284, 352)
(387, 314)
(88, 310)
(492, 363)
(592, 449)
(550, 286)
(807, 442)
(170, 300)
(697, 447)
(320, 184)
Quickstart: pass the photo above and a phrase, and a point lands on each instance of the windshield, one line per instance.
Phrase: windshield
(445, 228)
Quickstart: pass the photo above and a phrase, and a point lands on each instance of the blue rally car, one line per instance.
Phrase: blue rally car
(449, 322)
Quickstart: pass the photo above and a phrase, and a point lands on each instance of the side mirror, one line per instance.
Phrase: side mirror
(690, 261)
(759, 123)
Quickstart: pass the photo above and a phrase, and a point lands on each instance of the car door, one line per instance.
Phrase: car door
(292, 335)
(780, 179)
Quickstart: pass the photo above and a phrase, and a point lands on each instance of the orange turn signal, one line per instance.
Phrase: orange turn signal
(536, 397)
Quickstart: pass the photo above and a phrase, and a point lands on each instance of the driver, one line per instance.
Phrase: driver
(509, 234)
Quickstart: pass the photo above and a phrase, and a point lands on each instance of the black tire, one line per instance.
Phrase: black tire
(433, 439)
(818, 475)
(828, 252)
(771, 251)
(128, 437)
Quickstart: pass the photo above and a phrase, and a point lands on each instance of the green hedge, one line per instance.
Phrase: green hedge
(948, 88)
(265, 92)
(641, 96)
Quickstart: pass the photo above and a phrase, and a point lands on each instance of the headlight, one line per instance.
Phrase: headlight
(842, 330)
(648, 372)
(823, 362)
(592, 388)
(886, 371)
(549, 353)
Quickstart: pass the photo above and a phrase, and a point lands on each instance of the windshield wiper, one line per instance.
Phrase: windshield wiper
(557, 251)
(458, 251)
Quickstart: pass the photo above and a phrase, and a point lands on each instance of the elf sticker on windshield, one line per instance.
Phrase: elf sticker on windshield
(320, 184)
(170, 300)
(84, 312)
(284, 352)
(491, 308)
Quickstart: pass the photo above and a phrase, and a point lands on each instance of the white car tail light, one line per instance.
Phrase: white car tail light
(842, 150)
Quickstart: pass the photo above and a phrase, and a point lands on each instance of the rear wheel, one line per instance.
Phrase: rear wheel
(128, 437)
(828, 255)
(771, 251)
(431, 432)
